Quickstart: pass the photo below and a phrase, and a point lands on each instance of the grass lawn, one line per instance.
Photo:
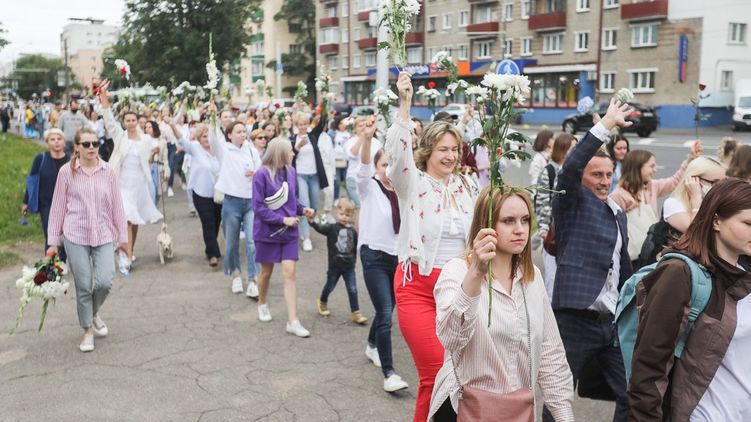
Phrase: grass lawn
(15, 163)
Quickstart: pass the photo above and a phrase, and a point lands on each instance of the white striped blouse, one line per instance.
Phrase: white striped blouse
(87, 208)
(496, 359)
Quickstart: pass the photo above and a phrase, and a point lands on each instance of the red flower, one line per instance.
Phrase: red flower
(123, 70)
(277, 105)
(40, 278)
(431, 84)
(701, 87)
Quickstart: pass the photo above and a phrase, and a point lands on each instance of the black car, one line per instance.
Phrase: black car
(644, 117)
(342, 109)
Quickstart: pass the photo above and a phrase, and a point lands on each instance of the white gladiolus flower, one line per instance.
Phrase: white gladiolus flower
(624, 95)
(213, 73)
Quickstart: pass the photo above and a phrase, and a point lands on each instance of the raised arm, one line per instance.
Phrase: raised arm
(667, 185)
(216, 137)
(402, 170)
(366, 169)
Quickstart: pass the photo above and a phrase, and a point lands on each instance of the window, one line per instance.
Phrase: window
(726, 80)
(526, 46)
(581, 41)
(345, 10)
(447, 21)
(333, 61)
(463, 52)
(582, 5)
(482, 50)
(644, 35)
(356, 61)
(331, 12)
(356, 34)
(432, 51)
(431, 23)
(508, 12)
(607, 82)
(609, 38)
(345, 35)
(365, 5)
(643, 80)
(329, 36)
(609, 4)
(345, 62)
(526, 7)
(484, 14)
(448, 49)
(370, 59)
(414, 55)
(256, 49)
(551, 43)
(256, 68)
(508, 47)
(737, 33)
(463, 18)
(295, 49)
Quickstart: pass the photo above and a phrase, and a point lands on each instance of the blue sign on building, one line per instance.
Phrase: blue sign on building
(508, 67)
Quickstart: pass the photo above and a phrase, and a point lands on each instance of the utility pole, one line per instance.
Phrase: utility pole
(382, 56)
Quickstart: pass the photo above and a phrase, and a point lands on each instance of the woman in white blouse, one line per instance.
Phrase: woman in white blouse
(521, 349)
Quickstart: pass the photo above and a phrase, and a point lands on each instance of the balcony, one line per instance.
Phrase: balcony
(482, 27)
(364, 16)
(329, 1)
(414, 38)
(657, 9)
(327, 22)
(547, 22)
(366, 43)
(328, 48)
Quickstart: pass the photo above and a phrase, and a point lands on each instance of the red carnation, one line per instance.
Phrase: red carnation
(431, 84)
(123, 70)
(701, 87)
(40, 278)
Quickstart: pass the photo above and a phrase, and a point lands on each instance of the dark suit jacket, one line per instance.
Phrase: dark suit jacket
(586, 233)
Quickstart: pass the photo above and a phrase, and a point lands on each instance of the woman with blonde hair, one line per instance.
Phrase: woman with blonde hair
(436, 204)
(513, 346)
(275, 232)
(260, 139)
(681, 207)
(727, 149)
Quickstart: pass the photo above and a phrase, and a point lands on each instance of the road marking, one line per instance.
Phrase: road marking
(646, 141)
(688, 144)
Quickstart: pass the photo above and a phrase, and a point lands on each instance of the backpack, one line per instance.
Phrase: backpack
(660, 235)
(627, 316)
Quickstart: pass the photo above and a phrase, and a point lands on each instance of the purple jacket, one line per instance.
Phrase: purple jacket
(266, 221)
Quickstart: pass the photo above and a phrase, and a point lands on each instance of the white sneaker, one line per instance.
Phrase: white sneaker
(65, 268)
(307, 245)
(170, 193)
(100, 328)
(184, 186)
(87, 344)
(242, 234)
(237, 285)
(264, 314)
(252, 291)
(372, 354)
(394, 383)
(297, 329)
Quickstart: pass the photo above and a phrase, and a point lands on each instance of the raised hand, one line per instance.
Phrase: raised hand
(404, 86)
(616, 115)
(483, 250)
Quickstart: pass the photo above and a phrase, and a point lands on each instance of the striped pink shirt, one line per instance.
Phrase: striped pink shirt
(496, 359)
(87, 208)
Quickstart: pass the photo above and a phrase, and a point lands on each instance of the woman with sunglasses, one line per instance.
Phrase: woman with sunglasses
(260, 139)
(130, 160)
(701, 174)
(88, 186)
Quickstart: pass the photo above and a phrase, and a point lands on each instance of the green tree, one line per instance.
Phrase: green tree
(301, 20)
(3, 41)
(167, 41)
(35, 74)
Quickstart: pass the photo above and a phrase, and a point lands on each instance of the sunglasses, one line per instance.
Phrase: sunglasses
(89, 144)
(261, 137)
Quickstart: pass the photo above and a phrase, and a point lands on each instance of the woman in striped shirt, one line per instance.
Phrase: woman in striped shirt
(521, 348)
(88, 217)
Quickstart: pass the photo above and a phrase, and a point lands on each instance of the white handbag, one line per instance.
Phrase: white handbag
(279, 198)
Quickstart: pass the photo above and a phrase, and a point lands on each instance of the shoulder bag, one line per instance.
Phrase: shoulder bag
(32, 188)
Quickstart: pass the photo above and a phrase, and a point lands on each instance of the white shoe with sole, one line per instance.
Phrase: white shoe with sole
(100, 328)
(307, 245)
(237, 285)
(264, 314)
(297, 329)
(372, 354)
(394, 383)
(252, 291)
(170, 193)
(87, 344)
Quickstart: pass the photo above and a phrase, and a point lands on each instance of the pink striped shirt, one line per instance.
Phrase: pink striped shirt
(87, 208)
(496, 359)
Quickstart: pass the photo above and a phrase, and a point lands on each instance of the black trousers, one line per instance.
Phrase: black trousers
(210, 214)
(445, 413)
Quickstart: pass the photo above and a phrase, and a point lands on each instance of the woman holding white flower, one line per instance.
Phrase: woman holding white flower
(88, 186)
(436, 205)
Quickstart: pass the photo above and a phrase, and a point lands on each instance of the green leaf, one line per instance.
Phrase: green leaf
(478, 142)
(518, 137)
(517, 155)
(384, 45)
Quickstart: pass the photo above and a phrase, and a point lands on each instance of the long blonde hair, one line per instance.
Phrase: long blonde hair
(522, 262)
(430, 136)
(275, 157)
(695, 168)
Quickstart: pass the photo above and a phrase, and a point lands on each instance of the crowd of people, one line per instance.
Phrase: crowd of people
(412, 202)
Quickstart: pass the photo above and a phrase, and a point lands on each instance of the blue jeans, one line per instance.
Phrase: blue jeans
(332, 277)
(310, 191)
(154, 188)
(352, 191)
(235, 211)
(341, 176)
(378, 270)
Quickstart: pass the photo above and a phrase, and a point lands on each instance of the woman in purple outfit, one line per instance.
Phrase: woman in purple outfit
(275, 233)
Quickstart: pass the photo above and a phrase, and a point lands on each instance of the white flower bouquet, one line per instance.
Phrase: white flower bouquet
(430, 94)
(383, 99)
(396, 15)
(123, 67)
(301, 93)
(44, 281)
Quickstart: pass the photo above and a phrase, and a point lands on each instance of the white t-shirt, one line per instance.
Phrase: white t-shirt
(353, 160)
(306, 160)
(672, 207)
(727, 397)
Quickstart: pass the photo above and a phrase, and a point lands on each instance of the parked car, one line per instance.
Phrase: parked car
(455, 109)
(742, 111)
(644, 118)
(342, 109)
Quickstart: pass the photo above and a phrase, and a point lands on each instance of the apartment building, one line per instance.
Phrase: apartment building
(568, 48)
(82, 43)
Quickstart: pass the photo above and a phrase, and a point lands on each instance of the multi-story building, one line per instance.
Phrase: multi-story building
(82, 44)
(271, 39)
(569, 48)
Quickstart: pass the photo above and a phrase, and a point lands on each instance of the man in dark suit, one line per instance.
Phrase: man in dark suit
(592, 256)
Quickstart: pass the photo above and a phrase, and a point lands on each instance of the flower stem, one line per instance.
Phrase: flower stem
(44, 314)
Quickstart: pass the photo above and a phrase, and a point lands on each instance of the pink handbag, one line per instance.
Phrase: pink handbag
(477, 405)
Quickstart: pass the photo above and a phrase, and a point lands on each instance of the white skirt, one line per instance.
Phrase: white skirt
(134, 189)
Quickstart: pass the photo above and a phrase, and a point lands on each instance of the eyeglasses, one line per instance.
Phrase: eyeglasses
(89, 144)
(261, 137)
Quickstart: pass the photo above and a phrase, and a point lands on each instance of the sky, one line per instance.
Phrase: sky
(34, 26)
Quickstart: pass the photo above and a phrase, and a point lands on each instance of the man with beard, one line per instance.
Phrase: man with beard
(71, 121)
